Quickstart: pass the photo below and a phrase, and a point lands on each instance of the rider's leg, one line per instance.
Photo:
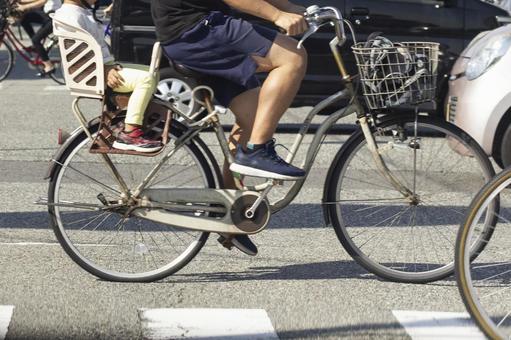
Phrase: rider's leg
(244, 107)
(287, 66)
(141, 84)
(37, 39)
(32, 17)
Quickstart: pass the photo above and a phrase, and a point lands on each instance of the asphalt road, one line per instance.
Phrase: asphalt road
(304, 280)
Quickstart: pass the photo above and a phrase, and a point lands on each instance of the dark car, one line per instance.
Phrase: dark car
(452, 23)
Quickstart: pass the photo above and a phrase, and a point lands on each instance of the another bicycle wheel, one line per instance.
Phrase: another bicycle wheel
(6, 60)
(105, 242)
(393, 237)
(52, 48)
(484, 283)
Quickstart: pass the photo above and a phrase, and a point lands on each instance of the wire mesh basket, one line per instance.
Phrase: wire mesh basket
(394, 74)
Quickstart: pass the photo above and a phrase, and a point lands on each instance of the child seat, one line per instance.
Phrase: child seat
(83, 68)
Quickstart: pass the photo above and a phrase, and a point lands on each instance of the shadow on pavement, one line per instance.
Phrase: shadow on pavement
(293, 217)
(330, 270)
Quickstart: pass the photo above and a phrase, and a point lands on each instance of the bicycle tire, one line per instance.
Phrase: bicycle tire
(472, 278)
(359, 217)
(6, 59)
(53, 51)
(77, 249)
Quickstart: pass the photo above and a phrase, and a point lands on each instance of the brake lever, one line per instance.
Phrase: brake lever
(313, 28)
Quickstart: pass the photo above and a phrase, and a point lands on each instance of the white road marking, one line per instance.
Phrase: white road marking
(5, 320)
(23, 244)
(55, 88)
(190, 323)
(438, 325)
(29, 244)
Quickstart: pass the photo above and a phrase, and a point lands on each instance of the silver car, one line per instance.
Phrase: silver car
(479, 99)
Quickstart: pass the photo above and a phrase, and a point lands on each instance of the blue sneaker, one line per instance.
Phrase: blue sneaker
(263, 161)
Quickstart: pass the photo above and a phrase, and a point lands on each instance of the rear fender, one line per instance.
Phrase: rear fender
(60, 151)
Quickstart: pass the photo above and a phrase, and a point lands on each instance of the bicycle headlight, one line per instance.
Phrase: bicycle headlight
(494, 50)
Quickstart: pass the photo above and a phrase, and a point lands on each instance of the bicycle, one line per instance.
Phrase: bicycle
(484, 283)
(137, 218)
(9, 43)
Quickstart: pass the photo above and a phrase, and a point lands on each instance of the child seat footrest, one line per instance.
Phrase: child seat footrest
(156, 126)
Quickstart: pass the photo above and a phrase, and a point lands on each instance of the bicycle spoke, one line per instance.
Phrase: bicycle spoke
(128, 247)
(93, 180)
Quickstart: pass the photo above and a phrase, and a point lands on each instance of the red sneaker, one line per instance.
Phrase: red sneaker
(135, 141)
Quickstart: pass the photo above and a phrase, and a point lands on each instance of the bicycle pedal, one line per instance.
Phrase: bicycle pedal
(226, 242)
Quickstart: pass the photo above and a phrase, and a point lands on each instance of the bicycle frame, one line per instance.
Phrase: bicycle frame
(23, 51)
(150, 198)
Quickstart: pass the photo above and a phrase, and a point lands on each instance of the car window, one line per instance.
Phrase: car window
(136, 13)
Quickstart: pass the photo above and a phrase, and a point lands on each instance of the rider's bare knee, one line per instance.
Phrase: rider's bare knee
(298, 61)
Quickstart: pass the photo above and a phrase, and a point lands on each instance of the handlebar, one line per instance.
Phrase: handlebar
(319, 16)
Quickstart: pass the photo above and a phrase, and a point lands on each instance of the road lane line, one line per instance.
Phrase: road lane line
(23, 244)
(55, 88)
(5, 320)
(29, 244)
(190, 323)
(438, 325)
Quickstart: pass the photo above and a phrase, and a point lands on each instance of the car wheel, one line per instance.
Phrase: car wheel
(503, 156)
(176, 88)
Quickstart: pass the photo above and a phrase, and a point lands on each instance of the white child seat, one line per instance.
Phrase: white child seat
(82, 60)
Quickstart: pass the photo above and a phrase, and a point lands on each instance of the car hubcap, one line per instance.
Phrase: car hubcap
(177, 92)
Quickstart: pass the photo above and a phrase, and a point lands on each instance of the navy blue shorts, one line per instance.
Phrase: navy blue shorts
(221, 47)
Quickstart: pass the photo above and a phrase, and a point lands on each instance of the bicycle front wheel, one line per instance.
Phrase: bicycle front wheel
(109, 242)
(390, 235)
(52, 48)
(6, 60)
(484, 283)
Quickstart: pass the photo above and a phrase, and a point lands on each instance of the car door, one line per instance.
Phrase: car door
(133, 33)
(410, 20)
(439, 21)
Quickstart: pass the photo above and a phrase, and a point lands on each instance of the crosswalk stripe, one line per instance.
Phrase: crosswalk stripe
(438, 325)
(5, 320)
(193, 323)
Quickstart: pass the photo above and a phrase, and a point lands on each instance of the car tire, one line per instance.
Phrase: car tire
(503, 155)
(177, 88)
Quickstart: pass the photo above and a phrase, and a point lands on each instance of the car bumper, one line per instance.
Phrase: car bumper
(477, 106)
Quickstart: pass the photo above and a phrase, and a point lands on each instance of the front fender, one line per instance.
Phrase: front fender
(328, 179)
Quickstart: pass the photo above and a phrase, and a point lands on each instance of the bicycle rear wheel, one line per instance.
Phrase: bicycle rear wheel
(105, 242)
(484, 283)
(395, 238)
(6, 59)
(52, 48)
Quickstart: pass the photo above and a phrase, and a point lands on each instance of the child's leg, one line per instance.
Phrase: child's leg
(138, 80)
